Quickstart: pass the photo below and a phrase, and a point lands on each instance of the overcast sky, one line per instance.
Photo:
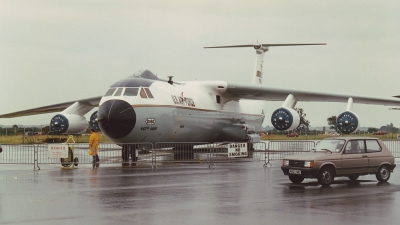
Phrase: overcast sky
(58, 51)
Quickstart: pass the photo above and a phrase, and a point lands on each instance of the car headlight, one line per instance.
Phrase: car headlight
(285, 162)
(309, 164)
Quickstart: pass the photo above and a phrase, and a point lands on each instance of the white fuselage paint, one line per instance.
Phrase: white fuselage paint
(169, 118)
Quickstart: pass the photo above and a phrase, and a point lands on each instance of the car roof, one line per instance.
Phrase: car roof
(353, 138)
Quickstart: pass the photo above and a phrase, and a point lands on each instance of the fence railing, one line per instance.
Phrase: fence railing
(165, 152)
(393, 146)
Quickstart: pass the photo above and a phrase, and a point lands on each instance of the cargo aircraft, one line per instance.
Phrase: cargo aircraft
(144, 108)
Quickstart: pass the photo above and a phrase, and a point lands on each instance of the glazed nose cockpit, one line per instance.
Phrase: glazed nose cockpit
(116, 116)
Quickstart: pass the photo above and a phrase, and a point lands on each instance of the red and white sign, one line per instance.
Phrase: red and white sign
(58, 151)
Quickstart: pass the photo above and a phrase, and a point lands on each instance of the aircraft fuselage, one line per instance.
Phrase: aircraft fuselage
(139, 109)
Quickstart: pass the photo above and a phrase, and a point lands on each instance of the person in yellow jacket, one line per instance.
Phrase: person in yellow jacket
(94, 147)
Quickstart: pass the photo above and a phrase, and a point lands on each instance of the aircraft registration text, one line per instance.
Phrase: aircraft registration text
(179, 100)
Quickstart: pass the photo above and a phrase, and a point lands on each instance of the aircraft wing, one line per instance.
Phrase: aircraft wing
(53, 108)
(241, 91)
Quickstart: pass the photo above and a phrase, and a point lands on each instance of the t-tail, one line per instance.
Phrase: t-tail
(260, 51)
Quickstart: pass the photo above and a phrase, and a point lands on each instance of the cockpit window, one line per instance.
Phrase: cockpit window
(109, 92)
(148, 93)
(131, 91)
(142, 93)
(118, 92)
(145, 93)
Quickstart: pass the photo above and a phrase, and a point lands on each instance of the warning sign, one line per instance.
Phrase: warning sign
(237, 150)
(58, 151)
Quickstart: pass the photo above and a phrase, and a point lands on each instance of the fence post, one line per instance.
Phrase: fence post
(153, 157)
(211, 150)
(35, 158)
(266, 155)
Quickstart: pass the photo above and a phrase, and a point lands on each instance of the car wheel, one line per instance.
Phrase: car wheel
(296, 179)
(353, 177)
(326, 176)
(383, 173)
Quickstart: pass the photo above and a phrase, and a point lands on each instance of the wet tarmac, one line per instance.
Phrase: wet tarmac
(235, 193)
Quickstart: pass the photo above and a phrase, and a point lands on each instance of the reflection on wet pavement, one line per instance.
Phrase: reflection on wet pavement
(240, 193)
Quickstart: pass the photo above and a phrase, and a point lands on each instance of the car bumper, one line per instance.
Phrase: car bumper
(304, 172)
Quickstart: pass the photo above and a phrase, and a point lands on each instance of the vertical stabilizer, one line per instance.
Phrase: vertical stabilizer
(258, 68)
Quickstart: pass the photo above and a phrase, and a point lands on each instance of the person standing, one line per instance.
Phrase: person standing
(94, 147)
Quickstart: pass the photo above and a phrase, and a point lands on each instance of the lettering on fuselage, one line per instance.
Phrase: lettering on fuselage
(179, 100)
(148, 128)
(150, 121)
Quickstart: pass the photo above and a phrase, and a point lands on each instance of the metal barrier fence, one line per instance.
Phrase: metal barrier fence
(280, 149)
(277, 150)
(204, 152)
(164, 152)
(393, 146)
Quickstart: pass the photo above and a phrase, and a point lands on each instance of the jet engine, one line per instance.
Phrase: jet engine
(93, 121)
(285, 119)
(347, 122)
(68, 123)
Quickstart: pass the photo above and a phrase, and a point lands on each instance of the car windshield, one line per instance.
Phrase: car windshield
(332, 145)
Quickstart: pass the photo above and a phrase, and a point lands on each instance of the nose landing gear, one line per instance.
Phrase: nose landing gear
(129, 154)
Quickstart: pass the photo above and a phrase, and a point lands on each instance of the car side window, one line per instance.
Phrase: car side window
(373, 146)
(355, 147)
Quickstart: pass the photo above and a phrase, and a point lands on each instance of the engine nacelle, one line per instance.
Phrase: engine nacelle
(285, 119)
(237, 132)
(68, 124)
(93, 121)
(347, 122)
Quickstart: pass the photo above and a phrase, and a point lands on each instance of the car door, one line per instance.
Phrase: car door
(374, 153)
(354, 158)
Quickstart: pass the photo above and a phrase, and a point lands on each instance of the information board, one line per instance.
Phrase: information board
(58, 151)
(237, 150)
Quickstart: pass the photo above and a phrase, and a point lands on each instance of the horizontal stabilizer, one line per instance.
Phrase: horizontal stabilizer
(264, 45)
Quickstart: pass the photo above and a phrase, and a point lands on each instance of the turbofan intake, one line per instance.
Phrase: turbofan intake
(68, 124)
(93, 121)
(347, 122)
(285, 119)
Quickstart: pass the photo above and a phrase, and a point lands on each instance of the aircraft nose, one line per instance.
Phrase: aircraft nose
(116, 118)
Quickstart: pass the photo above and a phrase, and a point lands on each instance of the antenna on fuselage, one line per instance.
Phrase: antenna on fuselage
(260, 51)
(170, 80)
